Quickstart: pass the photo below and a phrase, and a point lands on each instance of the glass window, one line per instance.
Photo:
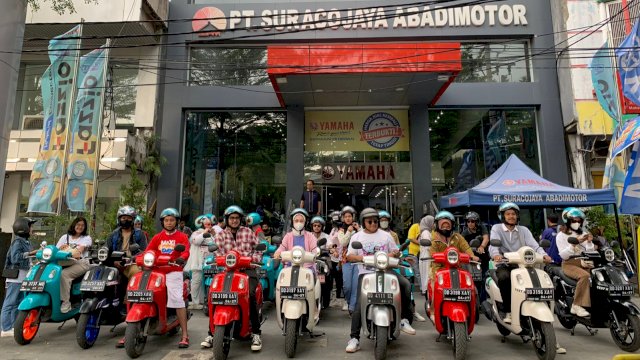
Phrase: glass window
(234, 158)
(30, 116)
(228, 66)
(495, 62)
(125, 81)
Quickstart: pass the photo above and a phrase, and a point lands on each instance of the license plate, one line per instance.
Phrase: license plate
(293, 292)
(93, 285)
(539, 294)
(32, 286)
(322, 278)
(224, 298)
(457, 295)
(210, 271)
(620, 290)
(380, 298)
(139, 296)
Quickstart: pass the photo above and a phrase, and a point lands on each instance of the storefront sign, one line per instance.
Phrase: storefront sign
(210, 21)
(372, 173)
(356, 131)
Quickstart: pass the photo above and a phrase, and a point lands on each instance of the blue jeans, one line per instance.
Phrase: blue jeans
(350, 280)
(12, 299)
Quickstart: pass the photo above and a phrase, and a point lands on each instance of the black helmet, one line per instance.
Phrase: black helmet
(22, 226)
(369, 213)
(472, 215)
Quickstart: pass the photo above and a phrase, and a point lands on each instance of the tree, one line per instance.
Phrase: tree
(59, 6)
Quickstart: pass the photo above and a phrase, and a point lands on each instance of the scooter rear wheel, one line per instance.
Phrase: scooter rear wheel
(220, 346)
(134, 341)
(26, 326)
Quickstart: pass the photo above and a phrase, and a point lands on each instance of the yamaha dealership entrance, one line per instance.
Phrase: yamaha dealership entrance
(382, 105)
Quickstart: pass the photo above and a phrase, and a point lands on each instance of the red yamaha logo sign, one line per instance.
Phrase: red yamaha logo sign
(209, 18)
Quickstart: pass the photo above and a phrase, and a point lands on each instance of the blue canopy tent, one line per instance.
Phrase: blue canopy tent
(516, 182)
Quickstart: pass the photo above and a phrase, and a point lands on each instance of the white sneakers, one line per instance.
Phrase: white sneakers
(353, 345)
(579, 311)
(406, 327)
(345, 306)
(8, 333)
(560, 349)
(256, 342)
(418, 317)
(65, 307)
(507, 318)
(207, 343)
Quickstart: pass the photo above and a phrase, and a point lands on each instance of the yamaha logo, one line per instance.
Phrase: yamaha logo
(508, 182)
(209, 18)
(381, 130)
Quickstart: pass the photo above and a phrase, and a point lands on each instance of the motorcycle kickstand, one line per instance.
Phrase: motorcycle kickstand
(312, 335)
(61, 325)
(439, 337)
(573, 330)
(503, 339)
(113, 328)
(591, 331)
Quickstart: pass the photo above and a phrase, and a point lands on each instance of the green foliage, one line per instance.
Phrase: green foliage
(58, 224)
(598, 218)
(59, 6)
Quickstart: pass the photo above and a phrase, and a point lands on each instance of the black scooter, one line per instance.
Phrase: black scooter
(611, 305)
(324, 267)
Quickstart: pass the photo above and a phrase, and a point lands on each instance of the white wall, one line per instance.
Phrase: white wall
(103, 11)
(10, 201)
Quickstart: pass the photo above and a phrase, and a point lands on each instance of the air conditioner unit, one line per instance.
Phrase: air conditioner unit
(32, 122)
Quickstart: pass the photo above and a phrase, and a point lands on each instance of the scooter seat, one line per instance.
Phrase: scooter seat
(557, 271)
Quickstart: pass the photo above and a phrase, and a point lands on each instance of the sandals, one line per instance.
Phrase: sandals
(120, 344)
(184, 343)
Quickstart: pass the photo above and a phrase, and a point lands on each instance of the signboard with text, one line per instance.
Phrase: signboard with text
(370, 173)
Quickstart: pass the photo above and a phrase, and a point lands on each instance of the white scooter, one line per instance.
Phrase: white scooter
(531, 301)
(297, 297)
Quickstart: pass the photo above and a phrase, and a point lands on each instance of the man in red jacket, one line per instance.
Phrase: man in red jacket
(163, 243)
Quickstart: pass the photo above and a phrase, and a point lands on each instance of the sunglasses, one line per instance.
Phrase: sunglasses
(472, 221)
(317, 225)
(371, 221)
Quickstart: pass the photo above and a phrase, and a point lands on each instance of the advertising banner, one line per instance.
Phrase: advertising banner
(630, 203)
(628, 56)
(386, 130)
(369, 173)
(57, 91)
(86, 131)
(626, 136)
(604, 82)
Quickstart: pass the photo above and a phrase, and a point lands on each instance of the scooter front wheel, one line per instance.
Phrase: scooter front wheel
(291, 337)
(627, 336)
(544, 341)
(460, 342)
(134, 340)
(87, 329)
(26, 326)
(220, 345)
(382, 337)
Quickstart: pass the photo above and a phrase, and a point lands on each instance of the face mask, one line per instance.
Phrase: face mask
(384, 224)
(445, 232)
(575, 226)
(126, 224)
(298, 226)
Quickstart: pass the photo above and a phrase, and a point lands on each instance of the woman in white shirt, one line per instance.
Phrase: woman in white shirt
(575, 268)
(78, 243)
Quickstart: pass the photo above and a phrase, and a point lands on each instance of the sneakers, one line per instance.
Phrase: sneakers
(120, 344)
(579, 311)
(353, 345)
(345, 306)
(207, 343)
(418, 317)
(65, 307)
(507, 318)
(256, 342)
(406, 327)
(433, 318)
(560, 349)
(8, 333)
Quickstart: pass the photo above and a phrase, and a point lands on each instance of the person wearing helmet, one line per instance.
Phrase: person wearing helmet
(126, 234)
(340, 238)
(253, 222)
(137, 224)
(550, 234)
(473, 230)
(575, 268)
(373, 240)
(240, 238)
(513, 237)
(164, 243)
(16, 267)
(334, 254)
(385, 225)
(334, 219)
(198, 252)
(317, 228)
(298, 236)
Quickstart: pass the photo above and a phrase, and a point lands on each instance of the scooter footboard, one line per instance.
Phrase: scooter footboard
(224, 314)
(537, 310)
(140, 311)
(380, 315)
(35, 300)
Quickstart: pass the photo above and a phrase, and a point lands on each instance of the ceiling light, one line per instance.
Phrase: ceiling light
(443, 78)
(400, 89)
(319, 90)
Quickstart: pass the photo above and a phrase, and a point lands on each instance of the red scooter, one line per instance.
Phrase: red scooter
(454, 299)
(229, 301)
(147, 312)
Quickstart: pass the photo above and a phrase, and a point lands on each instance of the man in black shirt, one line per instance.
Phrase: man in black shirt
(474, 229)
(310, 200)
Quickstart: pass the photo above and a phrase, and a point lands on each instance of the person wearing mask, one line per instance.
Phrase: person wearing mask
(137, 224)
(219, 227)
(550, 234)
(243, 240)
(513, 237)
(474, 229)
(311, 200)
(267, 231)
(298, 236)
(17, 263)
(385, 225)
(124, 235)
(576, 268)
(253, 222)
(373, 240)
(184, 228)
(426, 224)
(78, 243)
(164, 243)
(198, 252)
(341, 238)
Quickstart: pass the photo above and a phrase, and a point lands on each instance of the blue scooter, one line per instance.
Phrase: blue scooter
(270, 269)
(42, 301)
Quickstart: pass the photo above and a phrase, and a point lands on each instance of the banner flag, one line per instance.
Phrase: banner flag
(630, 203)
(57, 89)
(626, 135)
(628, 55)
(604, 82)
(86, 131)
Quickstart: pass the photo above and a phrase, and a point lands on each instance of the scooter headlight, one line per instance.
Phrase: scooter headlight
(149, 259)
(296, 256)
(382, 261)
(452, 257)
(529, 257)
(599, 276)
(47, 253)
(103, 254)
(609, 255)
(547, 280)
(230, 260)
(86, 275)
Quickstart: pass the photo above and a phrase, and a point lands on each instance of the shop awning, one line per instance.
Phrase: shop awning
(362, 74)
(516, 182)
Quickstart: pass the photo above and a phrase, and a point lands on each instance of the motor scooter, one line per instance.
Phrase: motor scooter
(380, 300)
(531, 301)
(42, 299)
(297, 297)
(229, 301)
(611, 305)
(270, 269)
(324, 266)
(147, 312)
(209, 270)
(454, 298)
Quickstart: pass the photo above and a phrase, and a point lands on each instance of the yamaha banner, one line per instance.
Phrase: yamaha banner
(604, 83)
(86, 131)
(628, 54)
(630, 203)
(57, 92)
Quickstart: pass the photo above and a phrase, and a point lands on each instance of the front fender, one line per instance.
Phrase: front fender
(457, 312)
(381, 315)
(140, 311)
(88, 305)
(224, 314)
(537, 310)
(35, 300)
(626, 306)
(293, 309)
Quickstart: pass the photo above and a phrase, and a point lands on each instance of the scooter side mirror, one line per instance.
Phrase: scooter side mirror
(475, 243)
(212, 248)
(276, 240)
(100, 242)
(425, 242)
(179, 248)
(615, 244)
(134, 248)
(545, 244)
(496, 242)
(322, 242)
(261, 247)
(405, 245)
(206, 235)
(356, 245)
(573, 241)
